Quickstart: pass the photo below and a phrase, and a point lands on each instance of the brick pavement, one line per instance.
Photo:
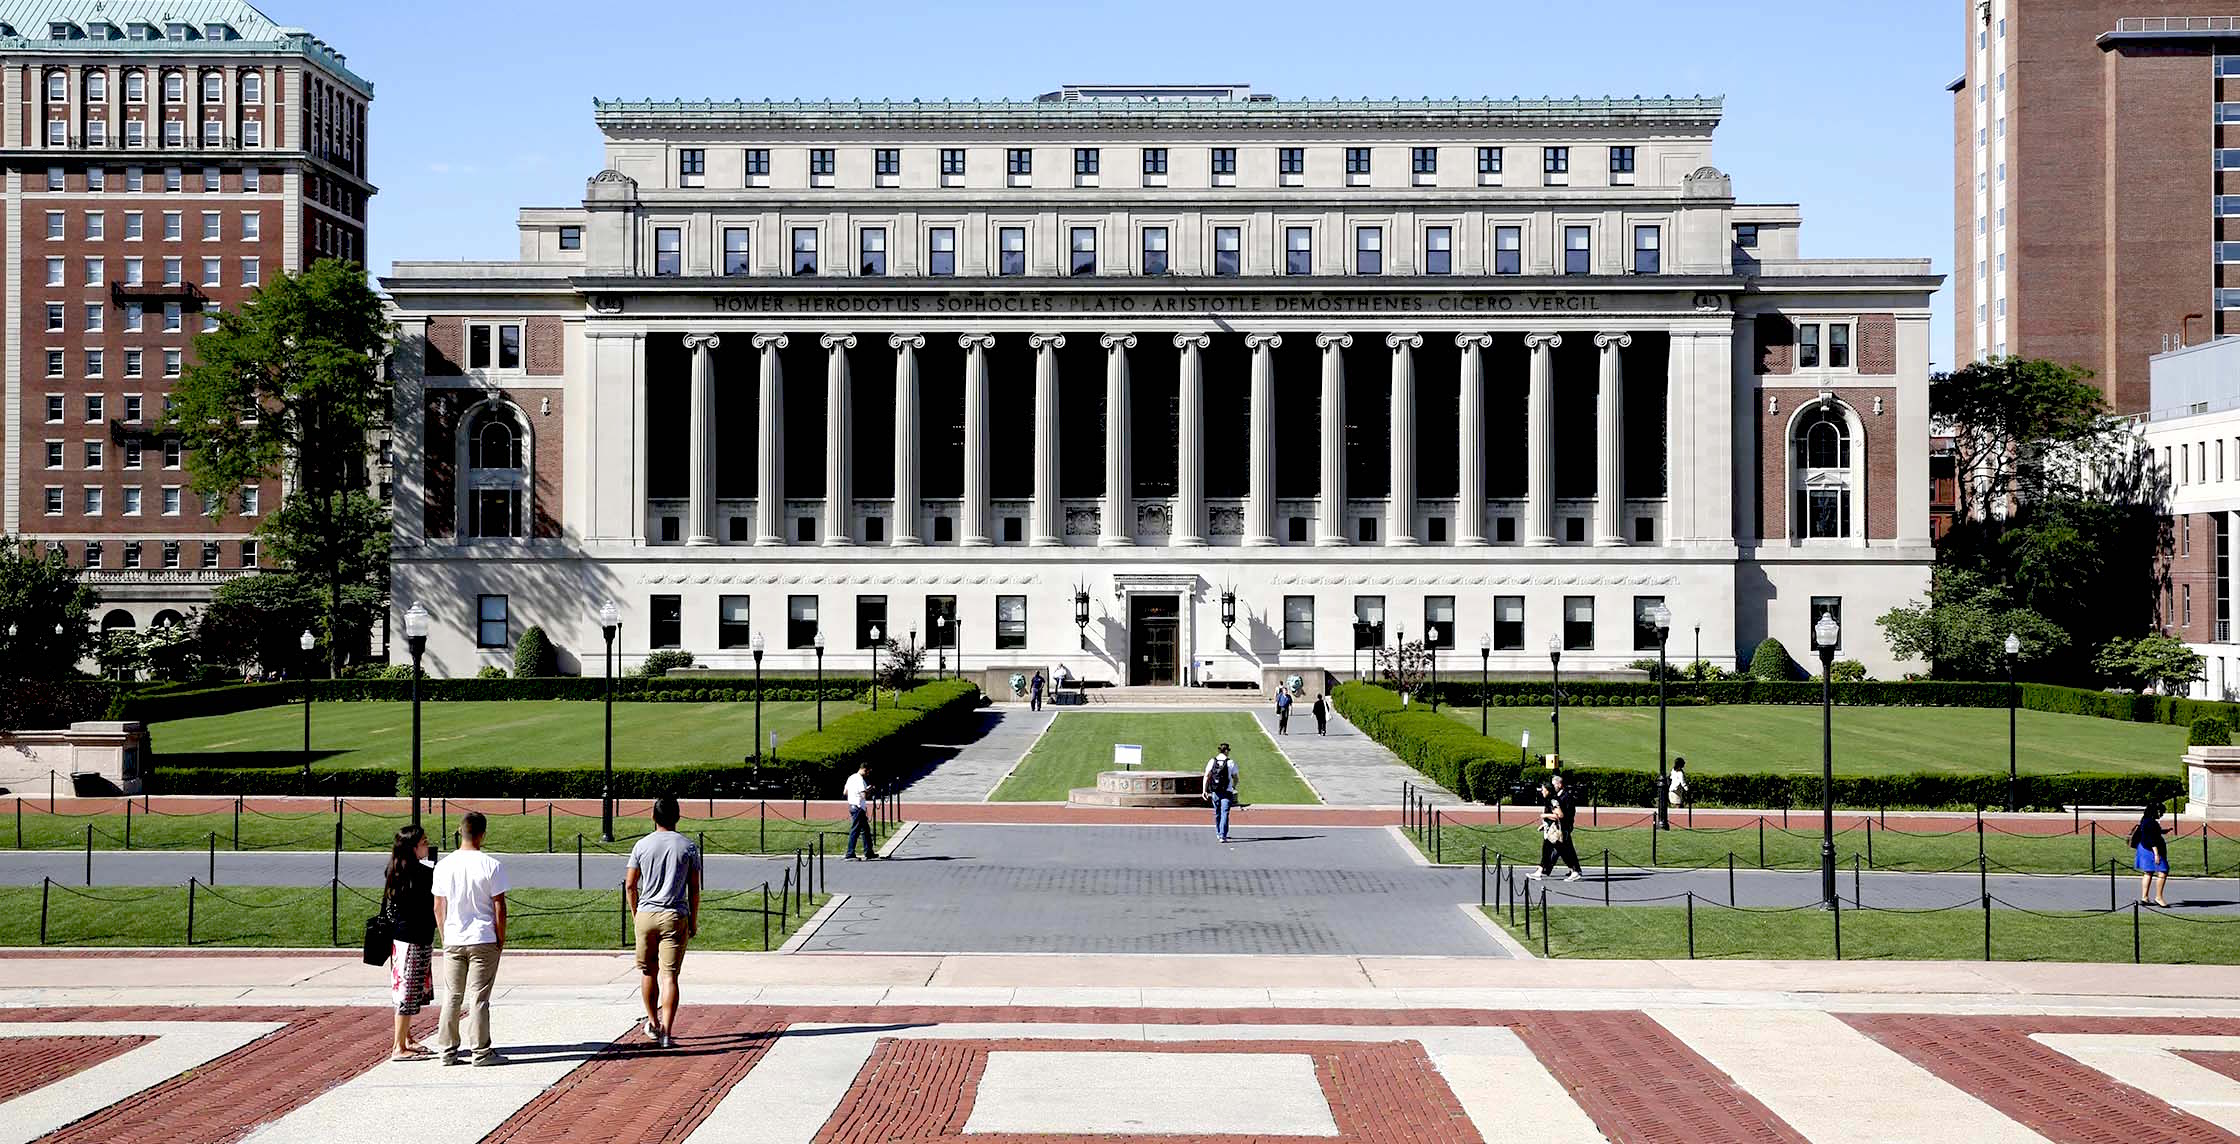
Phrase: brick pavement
(28, 1063)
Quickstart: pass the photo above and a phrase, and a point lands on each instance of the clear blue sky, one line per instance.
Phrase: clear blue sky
(481, 108)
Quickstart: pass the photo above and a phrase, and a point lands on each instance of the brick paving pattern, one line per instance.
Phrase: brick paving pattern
(1639, 1082)
(2227, 1063)
(635, 1092)
(28, 1063)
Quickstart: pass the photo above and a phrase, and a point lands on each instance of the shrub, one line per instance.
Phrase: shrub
(626, 689)
(159, 707)
(1445, 751)
(490, 671)
(658, 664)
(533, 655)
(355, 783)
(2209, 731)
(1919, 791)
(1771, 662)
(1847, 671)
(39, 704)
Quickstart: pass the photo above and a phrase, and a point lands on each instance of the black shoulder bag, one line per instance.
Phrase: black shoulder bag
(381, 932)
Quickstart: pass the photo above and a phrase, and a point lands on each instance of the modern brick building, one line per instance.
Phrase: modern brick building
(163, 157)
(1158, 386)
(2096, 159)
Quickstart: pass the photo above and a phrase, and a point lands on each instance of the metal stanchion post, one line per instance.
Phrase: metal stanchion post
(1730, 877)
(190, 911)
(1987, 927)
(213, 857)
(334, 912)
(1835, 912)
(44, 884)
(1606, 875)
(89, 854)
(1544, 924)
(2134, 934)
(1691, 925)
(766, 917)
(579, 860)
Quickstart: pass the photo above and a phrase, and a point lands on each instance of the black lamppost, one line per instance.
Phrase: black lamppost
(1824, 636)
(1699, 647)
(1661, 616)
(416, 640)
(1081, 615)
(2014, 648)
(1431, 649)
(1485, 669)
(610, 621)
(1555, 697)
(307, 642)
(818, 642)
(1399, 663)
(941, 646)
(756, 644)
(874, 667)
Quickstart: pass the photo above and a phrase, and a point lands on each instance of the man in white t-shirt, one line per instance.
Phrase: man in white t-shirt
(859, 816)
(470, 890)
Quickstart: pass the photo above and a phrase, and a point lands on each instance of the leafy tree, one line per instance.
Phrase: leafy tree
(2022, 428)
(1961, 629)
(2155, 660)
(45, 626)
(121, 654)
(1403, 667)
(533, 655)
(258, 621)
(170, 651)
(291, 379)
(899, 665)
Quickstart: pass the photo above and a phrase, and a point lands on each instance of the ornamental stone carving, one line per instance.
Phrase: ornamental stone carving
(1154, 520)
(1081, 521)
(1225, 520)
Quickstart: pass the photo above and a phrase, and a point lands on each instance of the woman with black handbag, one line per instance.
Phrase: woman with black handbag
(408, 904)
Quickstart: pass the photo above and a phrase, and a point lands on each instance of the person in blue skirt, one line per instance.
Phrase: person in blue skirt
(2152, 854)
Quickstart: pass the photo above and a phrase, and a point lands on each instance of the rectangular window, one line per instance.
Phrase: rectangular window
(1438, 619)
(1011, 251)
(1368, 621)
(132, 411)
(95, 360)
(1368, 250)
(509, 347)
(737, 257)
(132, 500)
(54, 454)
(1438, 250)
(1489, 163)
(1018, 162)
(758, 162)
(248, 554)
(1224, 161)
(1746, 236)
(478, 347)
(1083, 241)
(250, 496)
(1155, 161)
(871, 261)
(173, 225)
(1508, 623)
(1227, 252)
(1647, 252)
(54, 407)
(1086, 160)
(55, 317)
(96, 317)
(171, 363)
(1011, 623)
(1424, 160)
(801, 622)
(55, 225)
(210, 226)
(171, 500)
(952, 163)
(252, 225)
(820, 166)
(173, 452)
(1291, 161)
(1357, 161)
(492, 628)
(941, 621)
(96, 274)
(1839, 346)
(1154, 250)
(941, 251)
(668, 252)
(213, 271)
(1298, 623)
(571, 237)
(734, 628)
(1808, 346)
(1555, 164)
(886, 163)
(132, 554)
(871, 617)
(94, 454)
(1578, 250)
(171, 554)
(92, 501)
(1508, 250)
(55, 367)
(1644, 625)
(1578, 623)
(1298, 250)
(665, 623)
(804, 250)
(1621, 165)
(54, 272)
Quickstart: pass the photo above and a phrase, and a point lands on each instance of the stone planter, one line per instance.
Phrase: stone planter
(2213, 783)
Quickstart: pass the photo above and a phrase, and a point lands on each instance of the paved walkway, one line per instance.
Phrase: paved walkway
(1346, 767)
(969, 771)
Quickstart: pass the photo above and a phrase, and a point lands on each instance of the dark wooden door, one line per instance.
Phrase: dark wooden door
(1154, 640)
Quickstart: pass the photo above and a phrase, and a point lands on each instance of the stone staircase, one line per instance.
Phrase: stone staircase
(1206, 697)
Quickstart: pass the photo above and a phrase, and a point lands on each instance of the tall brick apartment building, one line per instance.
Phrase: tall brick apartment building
(2093, 184)
(163, 157)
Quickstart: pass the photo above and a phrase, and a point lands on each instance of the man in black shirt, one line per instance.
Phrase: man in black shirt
(1558, 810)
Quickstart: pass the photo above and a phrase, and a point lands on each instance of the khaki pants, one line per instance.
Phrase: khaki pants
(469, 971)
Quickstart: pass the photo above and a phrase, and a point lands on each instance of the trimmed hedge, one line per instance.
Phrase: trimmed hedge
(221, 700)
(627, 689)
(356, 783)
(2209, 731)
(1487, 770)
(40, 704)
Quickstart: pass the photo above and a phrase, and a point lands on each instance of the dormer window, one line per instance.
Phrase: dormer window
(61, 30)
(217, 31)
(177, 32)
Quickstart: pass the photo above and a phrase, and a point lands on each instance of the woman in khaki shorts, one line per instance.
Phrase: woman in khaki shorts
(662, 891)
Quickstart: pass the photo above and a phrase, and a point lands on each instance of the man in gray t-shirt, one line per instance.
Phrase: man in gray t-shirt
(662, 891)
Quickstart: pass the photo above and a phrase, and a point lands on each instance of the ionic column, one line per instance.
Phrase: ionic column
(700, 524)
(1610, 442)
(1260, 494)
(839, 433)
(1118, 523)
(1470, 508)
(770, 448)
(1189, 528)
(1330, 513)
(1400, 507)
(1540, 455)
(903, 531)
(975, 533)
(1044, 531)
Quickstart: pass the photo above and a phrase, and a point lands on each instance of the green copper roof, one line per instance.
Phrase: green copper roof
(1126, 113)
(140, 26)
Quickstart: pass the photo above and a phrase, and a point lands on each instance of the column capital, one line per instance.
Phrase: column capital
(1046, 341)
(1192, 341)
(1536, 341)
(1329, 341)
(1116, 341)
(899, 341)
(1605, 341)
(1259, 341)
(1474, 341)
(1399, 340)
(842, 341)
(701, 341)
(770, 341)
(977, 341)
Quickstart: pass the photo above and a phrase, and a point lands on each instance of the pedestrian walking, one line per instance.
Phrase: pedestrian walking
(1283, 710)
(408, 898)
(1676, 790)
(470, 896)
(662, 892)
(1559, 809)
(1321, 711)
(1034, 691)
(859, 816)
(2151, 852)
(1221, 789)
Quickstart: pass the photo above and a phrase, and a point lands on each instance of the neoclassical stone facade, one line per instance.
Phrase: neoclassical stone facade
(1161, 386)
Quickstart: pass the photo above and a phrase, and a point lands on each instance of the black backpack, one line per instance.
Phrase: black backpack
(1219, 782)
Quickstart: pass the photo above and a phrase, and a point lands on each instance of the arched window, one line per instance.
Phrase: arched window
(1821, 473)
(1827, 440)
(495, 443)
(58, 86)
(117, 619)
(97, 86)
(166, 619)
(252, 87)
(135, 86)
(497, 477)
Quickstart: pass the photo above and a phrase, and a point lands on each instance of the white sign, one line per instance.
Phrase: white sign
(1125, 755)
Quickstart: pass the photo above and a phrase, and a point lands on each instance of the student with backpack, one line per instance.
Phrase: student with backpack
(1283, 710)
(1221, 789)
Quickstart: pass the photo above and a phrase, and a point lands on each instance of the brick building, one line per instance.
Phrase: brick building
(162, 159)
(2092, 184)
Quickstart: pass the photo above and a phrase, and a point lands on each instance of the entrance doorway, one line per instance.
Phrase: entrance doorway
(1154, 641)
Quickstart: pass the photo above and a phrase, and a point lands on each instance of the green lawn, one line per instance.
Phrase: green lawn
(1782, 739)
(515, 733)
(1079, 744)
(312, 916)
(1583, 930)
(752, 828)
